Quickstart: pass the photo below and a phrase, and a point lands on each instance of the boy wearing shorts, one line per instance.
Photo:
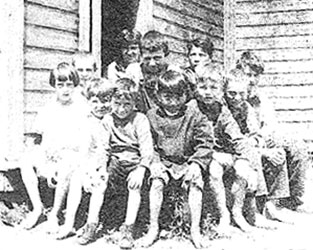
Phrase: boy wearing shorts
(184, 141)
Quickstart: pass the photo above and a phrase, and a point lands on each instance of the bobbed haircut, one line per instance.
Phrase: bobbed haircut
(100, 88)
(255, 63)
(210, 71)
(85, 56)
(172, 82)
(125, 88)
(64, 72)
(236, 75)
(154, 41)
(204, 43)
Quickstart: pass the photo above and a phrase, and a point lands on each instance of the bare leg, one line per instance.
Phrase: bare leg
(156, 199)
(30, 180)
(216, 179)
(133, 204)
(195, 204)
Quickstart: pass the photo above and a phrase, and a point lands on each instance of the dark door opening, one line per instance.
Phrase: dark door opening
(116, 16)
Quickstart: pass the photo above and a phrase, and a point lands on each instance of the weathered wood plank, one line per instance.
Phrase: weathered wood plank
(244, 19)
(275, 42)
(59, 4)
(295, 116)
(33, 100)
(36, 79)
(29, 119)
(287, 79)
(273, 6)
(275, 30)
(282, 54)
(41, 58)
(49, 38)
(216, 5)
(36, 14)
(299, 130)
(290, 103)
(288, 91)
(289, 66)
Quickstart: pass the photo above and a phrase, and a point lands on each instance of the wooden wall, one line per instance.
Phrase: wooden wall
(181, 20)
(51, 36)
(281, 33)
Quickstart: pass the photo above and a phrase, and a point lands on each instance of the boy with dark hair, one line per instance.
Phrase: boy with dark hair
(92, 177)
(57, 150)
(299, 163)
(199, 52)
(184, 141)
(232, 149)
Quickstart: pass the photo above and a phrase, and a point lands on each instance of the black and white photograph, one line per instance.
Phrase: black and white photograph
(156, 124)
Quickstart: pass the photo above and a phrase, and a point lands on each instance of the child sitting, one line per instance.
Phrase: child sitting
(129, 150)
(93, 177)
(60, 149)
(232, 150)
(184, 141)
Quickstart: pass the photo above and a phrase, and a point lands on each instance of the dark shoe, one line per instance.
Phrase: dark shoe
(126, 241)
(88, 235)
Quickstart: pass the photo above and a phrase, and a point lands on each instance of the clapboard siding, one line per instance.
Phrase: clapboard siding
(281, 33)
(51, 36)
(182, 20)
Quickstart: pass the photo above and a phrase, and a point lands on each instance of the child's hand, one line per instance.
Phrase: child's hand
(135, 178)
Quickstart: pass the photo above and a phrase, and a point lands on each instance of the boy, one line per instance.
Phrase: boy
(60, 149)
(129, 53)
(90, 177)
(154, 51)
(232, 148)
(299, 163)
(129, 150)
(235, 89)
(184, 141)
(86, 67)
(199, 52)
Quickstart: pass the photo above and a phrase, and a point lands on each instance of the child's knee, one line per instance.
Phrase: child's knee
(157, 185)
(196, 180)
(216, 170)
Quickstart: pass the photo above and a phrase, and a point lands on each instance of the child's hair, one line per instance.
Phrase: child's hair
(154, 41)
(128, 37)
(85, 56)
(100, 88)
(172, 82)
(64, 72)
(205, 44)
(125, 88)
(236, 75)
(248, 58)
(210, 71)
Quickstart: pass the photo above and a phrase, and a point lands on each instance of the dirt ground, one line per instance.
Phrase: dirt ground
(286, 237)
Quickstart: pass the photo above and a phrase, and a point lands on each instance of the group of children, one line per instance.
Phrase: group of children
(153, 120)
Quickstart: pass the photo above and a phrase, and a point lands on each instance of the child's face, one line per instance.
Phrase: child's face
(64, 91)
(153, 62)
(254, 79)
(171, 102)
(131, 54)
(122, 107)
(85, 70)
(100, 107)
(236, 93)
(198, 56)
(209, 90)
